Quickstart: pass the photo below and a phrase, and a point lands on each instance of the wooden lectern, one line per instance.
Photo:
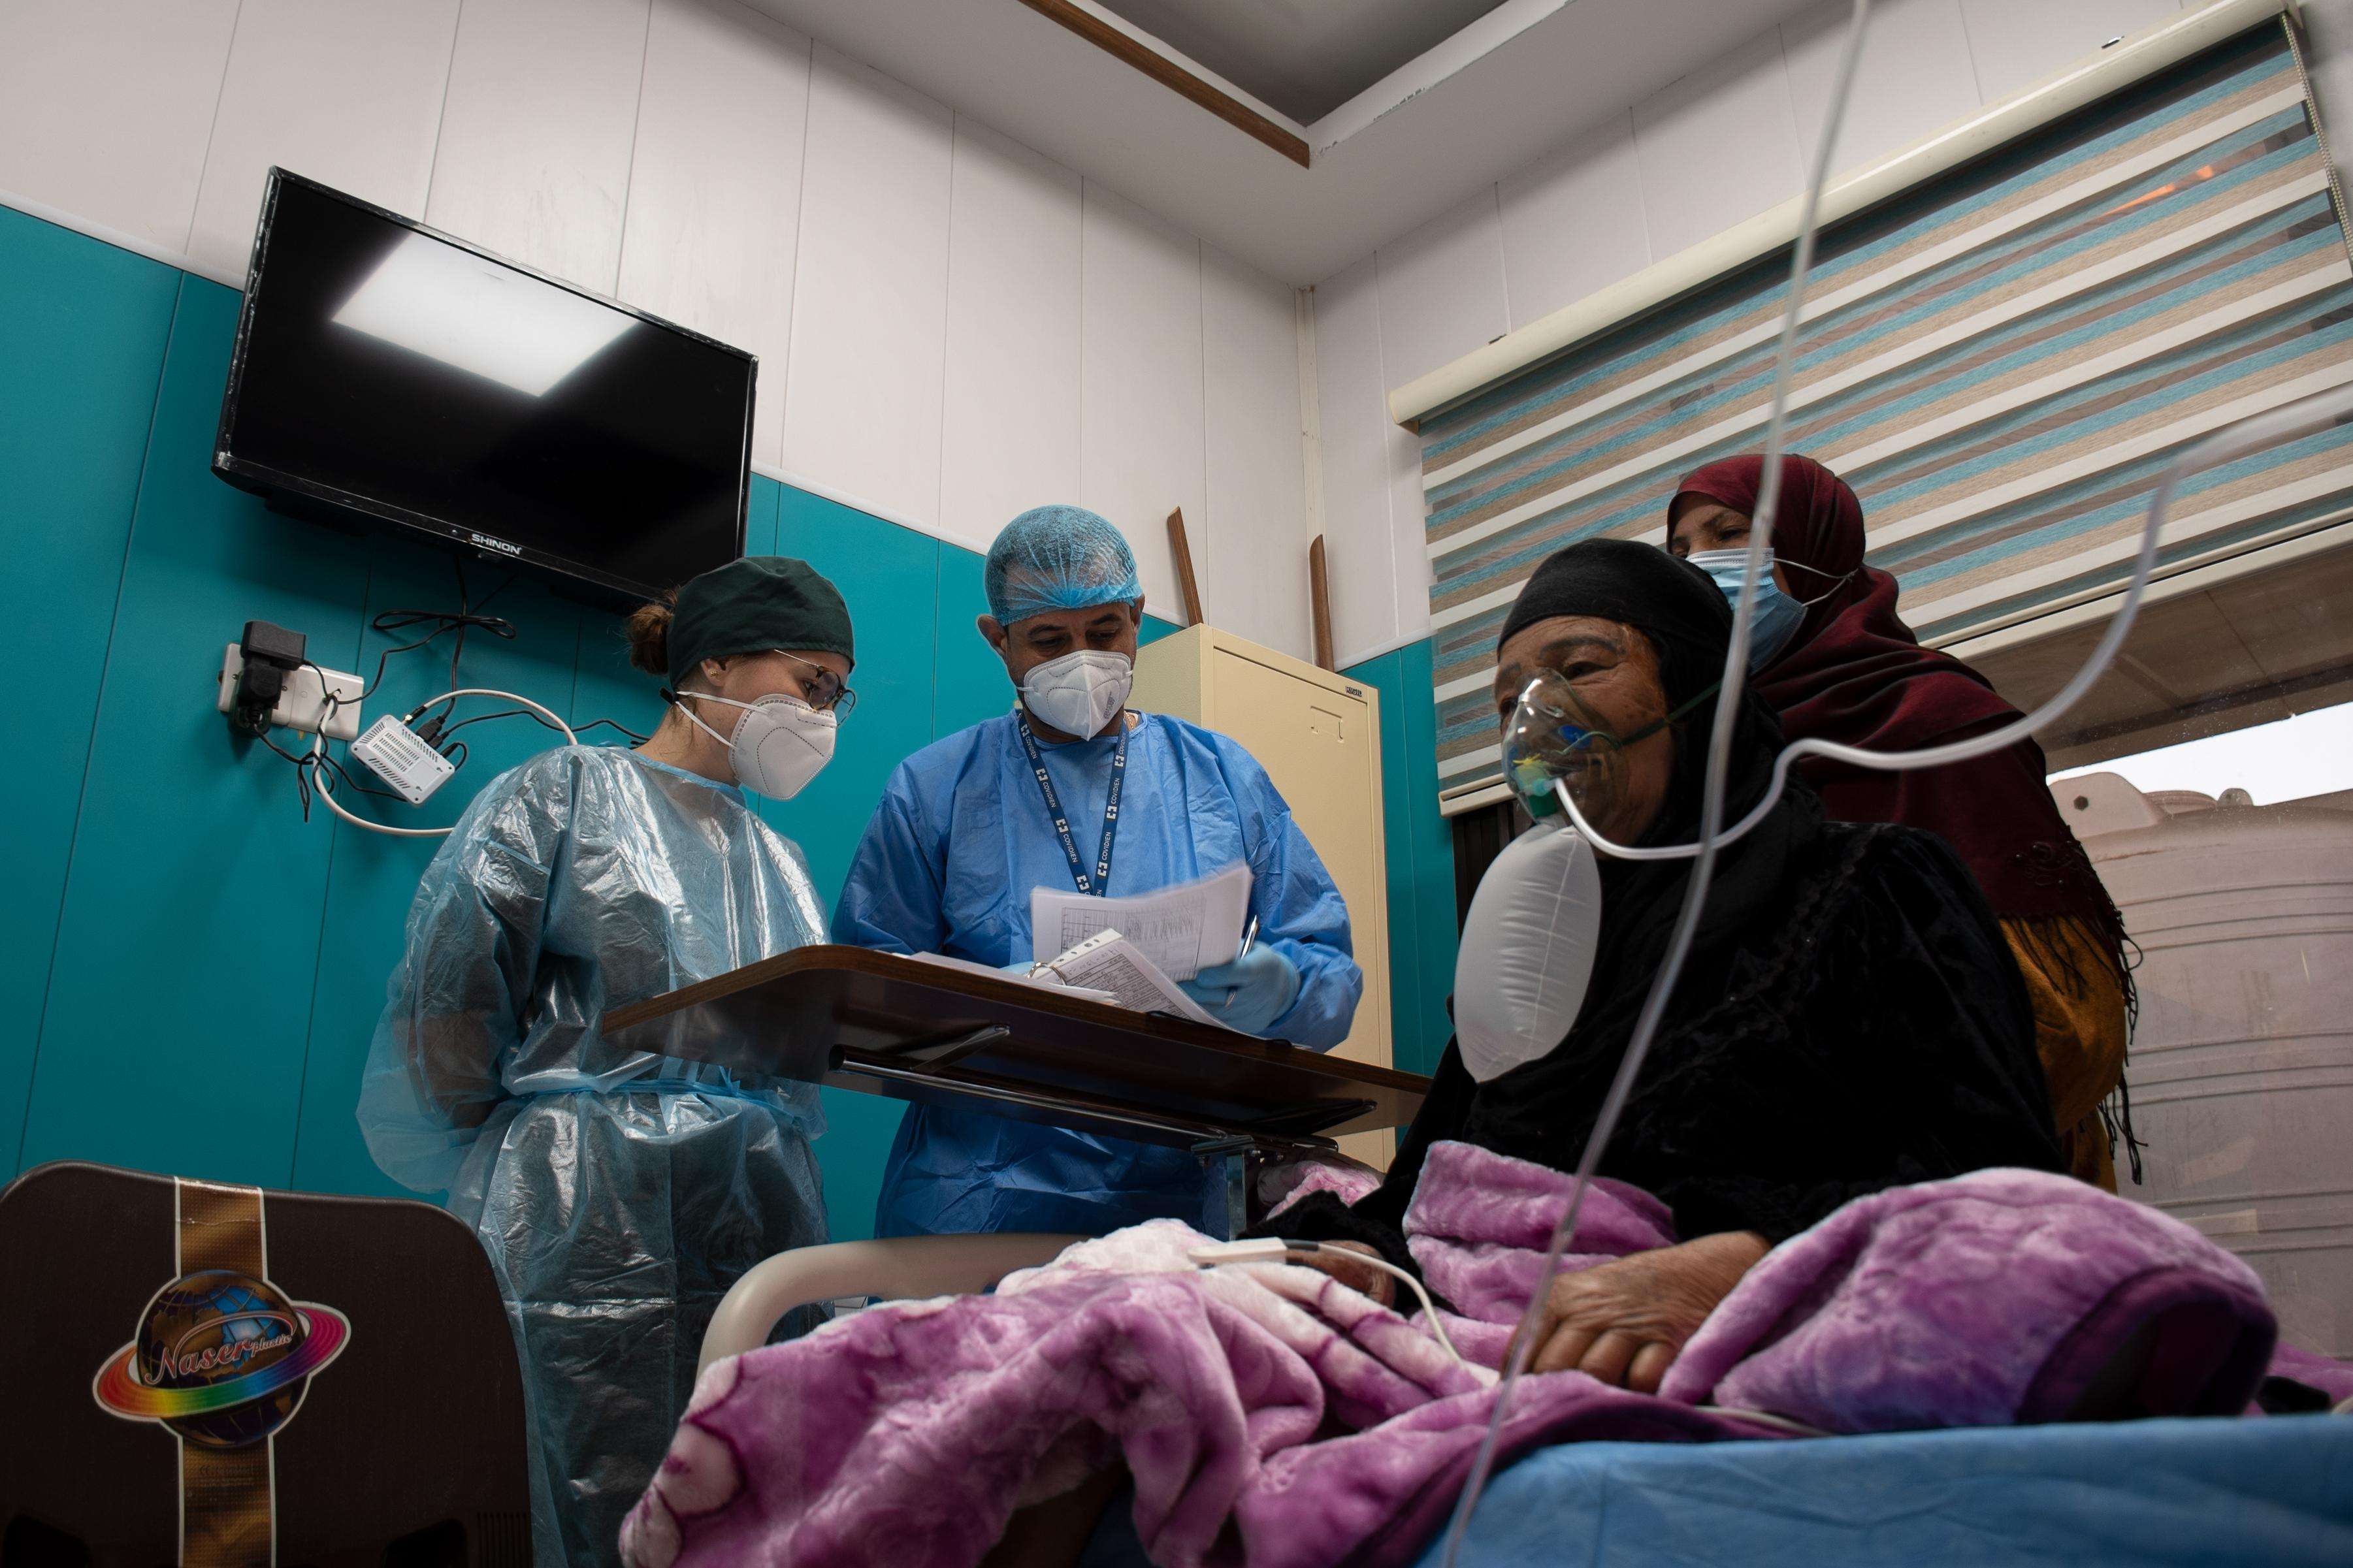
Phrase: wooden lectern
(883, 1024)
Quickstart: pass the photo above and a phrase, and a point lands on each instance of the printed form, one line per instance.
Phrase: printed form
(1182, 930)
(1106, 964)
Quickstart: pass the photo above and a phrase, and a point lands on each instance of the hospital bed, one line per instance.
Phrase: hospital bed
(2273, 1490)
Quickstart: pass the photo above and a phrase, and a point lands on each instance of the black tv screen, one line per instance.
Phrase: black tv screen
(388, 373)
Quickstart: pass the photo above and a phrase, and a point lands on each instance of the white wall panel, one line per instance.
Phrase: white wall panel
(349, 95)
(1010, 425)
(533, 162)
(2014, 42)
(1442, 289)
(1352, 399)
(1573, 223)
(715, 186)
(1253, 562)
(869, 308)
(1408, 537)
(1719, 146)
(1140, 450)
(106, 107)
(1914, 77)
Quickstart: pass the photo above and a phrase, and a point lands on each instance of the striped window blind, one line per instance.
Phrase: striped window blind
(2000, 361)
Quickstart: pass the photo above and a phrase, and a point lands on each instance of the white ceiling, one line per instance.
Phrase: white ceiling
(1441, 133)
(1304, 58)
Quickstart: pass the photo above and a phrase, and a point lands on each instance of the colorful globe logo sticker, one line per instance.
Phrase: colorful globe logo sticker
(222, 1359)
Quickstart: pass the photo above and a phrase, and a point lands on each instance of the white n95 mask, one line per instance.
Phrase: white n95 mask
(1527, 951)
(1078, 692)
(778, 745)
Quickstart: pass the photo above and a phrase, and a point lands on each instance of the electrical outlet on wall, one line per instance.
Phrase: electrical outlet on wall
(303, 702)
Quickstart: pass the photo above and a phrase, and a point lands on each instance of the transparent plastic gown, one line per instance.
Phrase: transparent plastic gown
(618, 1193)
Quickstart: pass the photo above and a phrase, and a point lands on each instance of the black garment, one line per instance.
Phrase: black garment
(1878, 1035)
(1849, 1019)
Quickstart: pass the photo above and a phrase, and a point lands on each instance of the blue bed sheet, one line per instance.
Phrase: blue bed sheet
(2275, 1491)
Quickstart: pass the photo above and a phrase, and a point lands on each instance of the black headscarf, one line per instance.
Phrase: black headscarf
(1683, 613)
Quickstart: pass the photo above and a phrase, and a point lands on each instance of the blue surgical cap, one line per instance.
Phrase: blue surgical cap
(1057, 558)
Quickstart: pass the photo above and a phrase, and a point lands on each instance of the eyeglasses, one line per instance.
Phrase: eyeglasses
(825, 691)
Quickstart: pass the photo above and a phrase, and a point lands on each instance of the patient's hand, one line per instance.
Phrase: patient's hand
(1625, 1322)
(1333, 1260)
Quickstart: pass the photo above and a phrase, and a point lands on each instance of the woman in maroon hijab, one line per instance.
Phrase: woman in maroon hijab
(1850, 670)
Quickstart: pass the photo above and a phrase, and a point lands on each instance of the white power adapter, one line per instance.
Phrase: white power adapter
(395, 754)
(304, 704)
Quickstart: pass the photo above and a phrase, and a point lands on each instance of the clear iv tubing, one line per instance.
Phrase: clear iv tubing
(1727, 705)
(2261, 430)
(326, 788)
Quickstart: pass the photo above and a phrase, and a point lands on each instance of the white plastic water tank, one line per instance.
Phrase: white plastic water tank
(2242, 1069)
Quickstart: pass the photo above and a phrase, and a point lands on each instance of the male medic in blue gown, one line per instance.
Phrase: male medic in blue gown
(965, 829)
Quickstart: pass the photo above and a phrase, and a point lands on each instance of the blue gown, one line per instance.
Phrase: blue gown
(618, 1193)
(947, 865)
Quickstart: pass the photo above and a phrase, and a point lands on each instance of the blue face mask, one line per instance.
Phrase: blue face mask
(1777, 616)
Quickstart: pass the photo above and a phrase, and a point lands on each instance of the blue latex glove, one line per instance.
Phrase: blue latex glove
(1249, 993)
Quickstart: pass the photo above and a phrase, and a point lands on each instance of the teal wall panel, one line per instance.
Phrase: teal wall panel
(372, 877)
(180, 992)
(1421, 857)
(605, 684)
(761, 509)
(890, 576)
(1431, 843)
(83, 353)
(1404, 950)
(972, 685)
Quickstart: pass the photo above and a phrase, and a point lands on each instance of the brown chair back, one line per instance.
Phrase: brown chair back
(209, 1375)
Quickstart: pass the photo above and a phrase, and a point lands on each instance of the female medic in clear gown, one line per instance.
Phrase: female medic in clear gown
(619, 1192)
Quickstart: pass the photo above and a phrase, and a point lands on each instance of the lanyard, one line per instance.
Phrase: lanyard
(1101, 878)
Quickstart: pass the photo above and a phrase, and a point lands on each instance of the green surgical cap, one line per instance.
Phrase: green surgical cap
(1057, 558)
(750, 606)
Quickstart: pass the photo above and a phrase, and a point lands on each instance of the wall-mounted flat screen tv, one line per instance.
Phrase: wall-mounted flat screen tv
(388, 373)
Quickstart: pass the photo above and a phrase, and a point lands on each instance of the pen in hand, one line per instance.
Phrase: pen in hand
(1250, 935)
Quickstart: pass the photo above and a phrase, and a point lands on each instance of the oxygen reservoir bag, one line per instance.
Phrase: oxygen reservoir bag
(1527, 951)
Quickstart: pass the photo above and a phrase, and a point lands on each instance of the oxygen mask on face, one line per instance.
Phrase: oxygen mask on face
(1552, 742)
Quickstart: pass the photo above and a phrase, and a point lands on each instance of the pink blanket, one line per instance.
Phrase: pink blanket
(1272, 1417)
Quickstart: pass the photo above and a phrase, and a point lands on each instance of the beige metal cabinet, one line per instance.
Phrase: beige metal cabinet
(1318, 735)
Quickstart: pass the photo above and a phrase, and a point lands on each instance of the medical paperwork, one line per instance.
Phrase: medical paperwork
(1042, 978)
(1105, 967)
(1108, 965)
(1182, 930)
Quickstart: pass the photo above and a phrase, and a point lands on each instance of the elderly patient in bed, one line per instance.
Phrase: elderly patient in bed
(1832, 1205)
(1848, 1019)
